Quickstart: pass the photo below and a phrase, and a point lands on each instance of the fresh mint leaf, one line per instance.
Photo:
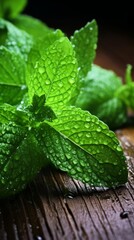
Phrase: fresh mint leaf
(20, 149)
(49, 38)
(99, 86)
(39, 110)
(32, 26)
(98, 96)
(84, 42)
(15, 40)
(12, 67)
(55, 73)
(113, 113)
(19, 152)
(11, 94)
(14, 50)
(9, 113)
(83, 146)
(126, 92)
(11, 8)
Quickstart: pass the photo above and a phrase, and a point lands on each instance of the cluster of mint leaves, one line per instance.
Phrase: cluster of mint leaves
(46, 79)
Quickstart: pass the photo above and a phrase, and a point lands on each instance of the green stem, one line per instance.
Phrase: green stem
(128, 76)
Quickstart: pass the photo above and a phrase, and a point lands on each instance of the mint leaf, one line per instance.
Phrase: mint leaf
(99, 86)
(19, 152)
(113, 113)
(9, 113)
(11, 8)
(83, 146)
(126, 92)
(39, 111)
(14, 50)
(19, 148)
(31, 25)
(85, 42)
(44, 42)
(55, 73)
(14, 39)
(11, 94)
(98, 93)
(12, 67)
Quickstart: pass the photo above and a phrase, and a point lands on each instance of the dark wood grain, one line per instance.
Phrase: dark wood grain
(56, 207)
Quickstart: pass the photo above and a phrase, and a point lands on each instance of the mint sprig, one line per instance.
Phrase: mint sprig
(40, 126)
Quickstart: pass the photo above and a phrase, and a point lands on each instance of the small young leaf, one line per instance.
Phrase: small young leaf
(39, 110)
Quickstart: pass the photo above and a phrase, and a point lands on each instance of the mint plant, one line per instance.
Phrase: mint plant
(39, 122)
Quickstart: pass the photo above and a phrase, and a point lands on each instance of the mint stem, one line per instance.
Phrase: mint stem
(128, 77)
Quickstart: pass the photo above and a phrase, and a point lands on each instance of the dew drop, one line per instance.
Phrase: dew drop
(71, 80)
(118, 148)
(41, 70)
(38, 238)
(76, 126)
(72, 172)
(47, 82)
(68, 155)
(87, 125)
(69, 195)
(60, 84)
(124, 214)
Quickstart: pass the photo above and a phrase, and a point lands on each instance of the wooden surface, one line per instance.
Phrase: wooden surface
(55, 207)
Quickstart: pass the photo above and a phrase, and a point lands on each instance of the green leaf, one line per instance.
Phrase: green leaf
(55, 73)
(99, 86)
(39, 111)
(85, 42)
(14, 50)
(11, 94)
(11, 8)
(9, 113)
(31, 25)
(126, 95)
(19, 153)
(113, 113)
(45, 41)
(20, 150)
(12, 68)
(15, 40)
(83, 146)
(98, 94)
(126, 92)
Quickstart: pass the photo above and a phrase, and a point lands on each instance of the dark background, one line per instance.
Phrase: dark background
(71, 15)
